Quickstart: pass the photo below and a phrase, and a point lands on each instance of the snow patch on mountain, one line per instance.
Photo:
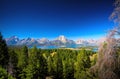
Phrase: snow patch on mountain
(59, 41)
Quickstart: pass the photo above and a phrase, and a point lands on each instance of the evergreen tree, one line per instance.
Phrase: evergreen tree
(25, 53)
(4, 56)
(37, 67)
(68, 69)
(30, 71)
(42, 69)
(82, 64)
(59, 67)
(22, 61)
(4, 74)
(13, 61)
(50, 66)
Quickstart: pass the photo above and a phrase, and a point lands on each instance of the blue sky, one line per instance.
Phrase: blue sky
(51, 18)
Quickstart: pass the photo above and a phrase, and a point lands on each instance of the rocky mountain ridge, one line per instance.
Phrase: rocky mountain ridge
(59, 41)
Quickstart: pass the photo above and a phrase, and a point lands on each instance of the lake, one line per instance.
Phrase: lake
(72, 46)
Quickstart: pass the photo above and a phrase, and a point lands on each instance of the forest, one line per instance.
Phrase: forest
(34, 63)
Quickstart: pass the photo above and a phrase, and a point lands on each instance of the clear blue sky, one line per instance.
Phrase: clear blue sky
(51, 18)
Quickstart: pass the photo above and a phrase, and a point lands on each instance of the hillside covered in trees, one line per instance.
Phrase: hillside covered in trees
(34, 63)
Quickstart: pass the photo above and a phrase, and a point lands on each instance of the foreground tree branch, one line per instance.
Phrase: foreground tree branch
(108, 63)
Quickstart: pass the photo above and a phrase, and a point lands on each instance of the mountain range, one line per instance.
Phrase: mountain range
(60, 41)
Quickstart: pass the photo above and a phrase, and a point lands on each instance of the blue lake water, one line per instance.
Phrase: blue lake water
(95, 49)
(55, 47)
(72, 46)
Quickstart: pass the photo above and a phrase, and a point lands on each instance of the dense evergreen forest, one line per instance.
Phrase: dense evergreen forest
(34, 63)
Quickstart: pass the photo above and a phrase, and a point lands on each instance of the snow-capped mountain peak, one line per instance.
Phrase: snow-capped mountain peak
(62, 38)
(12, 40)
(43, 40)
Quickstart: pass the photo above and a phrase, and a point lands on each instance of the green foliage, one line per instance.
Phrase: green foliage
(93, 59)
(59, 66)
(13, 57)
(13, 61)
(55, 63)
(34, 63)
(81, 65)
(37, 66)
(25, 53)
(4, 56)
(4, 74)
(68, 69)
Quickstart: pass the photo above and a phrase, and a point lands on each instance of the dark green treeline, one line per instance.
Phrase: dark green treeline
(34, 63)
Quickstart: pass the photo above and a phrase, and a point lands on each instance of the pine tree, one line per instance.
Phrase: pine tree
(25, 53)
(4, 56)
(81, 65)
(13, 61)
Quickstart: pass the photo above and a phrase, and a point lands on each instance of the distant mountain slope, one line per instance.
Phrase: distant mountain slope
(59, 41)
